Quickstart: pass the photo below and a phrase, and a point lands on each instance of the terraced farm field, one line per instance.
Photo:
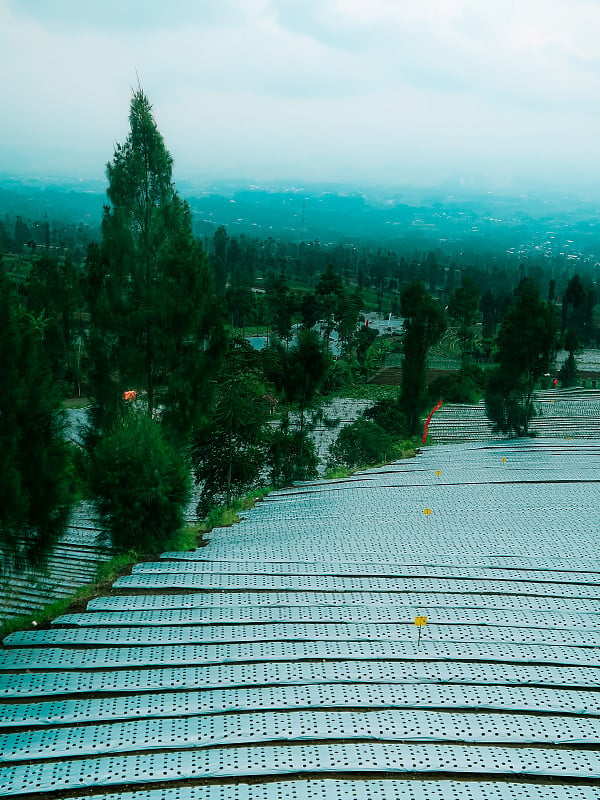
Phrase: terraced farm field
(283, 660)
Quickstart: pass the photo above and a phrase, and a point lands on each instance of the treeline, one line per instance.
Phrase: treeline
(151, 324)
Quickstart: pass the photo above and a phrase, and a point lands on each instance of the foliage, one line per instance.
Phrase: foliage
(367, 391)
(141, 483)
(329, 291)
(224, 516)
(305, 369)
(281, 306)
(340, 375)
(462, 307)
(423, 326)
(153, 323)
(526, 346)
(334, 473)
(229, 450)
(291, 455)
(505, 402)
(53, 295)
(35, 495)
(362, 443)
(347, 314)
(365, 338)
(387, 414)
(567, 374)
(466, 386)
(577, 309)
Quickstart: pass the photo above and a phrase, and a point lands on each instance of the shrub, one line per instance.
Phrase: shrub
(467, 387)
(142, 485)
(291, 456)
(567, 374)
(362, 443)
(387, 414)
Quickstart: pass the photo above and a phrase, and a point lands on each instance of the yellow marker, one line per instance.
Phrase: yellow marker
(420, 622)
(503, 459)
(438, 472)
(427, 511)
(569, 438)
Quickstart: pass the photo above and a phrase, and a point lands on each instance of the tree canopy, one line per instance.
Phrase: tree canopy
(525, 350)
(153, 326)
(34, 487)
(424, 323)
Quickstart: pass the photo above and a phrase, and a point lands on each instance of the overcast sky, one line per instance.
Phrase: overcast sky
(363, 91)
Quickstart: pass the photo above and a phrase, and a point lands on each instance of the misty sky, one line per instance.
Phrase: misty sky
(363, 91)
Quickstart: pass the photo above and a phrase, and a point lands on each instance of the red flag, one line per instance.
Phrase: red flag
(428, 420)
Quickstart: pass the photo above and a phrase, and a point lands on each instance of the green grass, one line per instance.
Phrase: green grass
(224, 516)
(76, 402)
(366, 391)
(338, 472)
(405, 449)
(106, 575)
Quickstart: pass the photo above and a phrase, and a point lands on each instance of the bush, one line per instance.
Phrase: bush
(362, 444)
(387, 414)
(142, 485)
(567, 374)
(506, 404)
(292, 456)
(467, 387)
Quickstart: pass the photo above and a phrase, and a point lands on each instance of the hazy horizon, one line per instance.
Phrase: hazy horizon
(310, 91)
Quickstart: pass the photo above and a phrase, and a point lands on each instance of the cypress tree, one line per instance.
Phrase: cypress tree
(153, 327)
(424, 324)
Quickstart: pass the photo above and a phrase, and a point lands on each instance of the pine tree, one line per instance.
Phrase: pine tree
(34, 487)
(229, 451)
(525, 350)
(423, 326)
(154, 327)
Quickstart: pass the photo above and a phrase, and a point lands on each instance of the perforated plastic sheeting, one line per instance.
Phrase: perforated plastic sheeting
(465, 519)
(253, 549)
(397, 570)
(469, 631)
(226, 730)
(279, 760)
(545, 620)
(35, 658)
(443, 534)
(43, 684)
(389, 789)
(192, 580)
(188, 671)
(373, 695)
(329, 560)
(383, 600)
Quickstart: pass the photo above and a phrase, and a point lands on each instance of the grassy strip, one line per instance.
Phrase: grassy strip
(76, 402)
(106, 574)
(224, 516)
(406, 450)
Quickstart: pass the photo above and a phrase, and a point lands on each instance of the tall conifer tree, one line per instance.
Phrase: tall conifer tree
(424, 324)
(34, 488)
(149, 285)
